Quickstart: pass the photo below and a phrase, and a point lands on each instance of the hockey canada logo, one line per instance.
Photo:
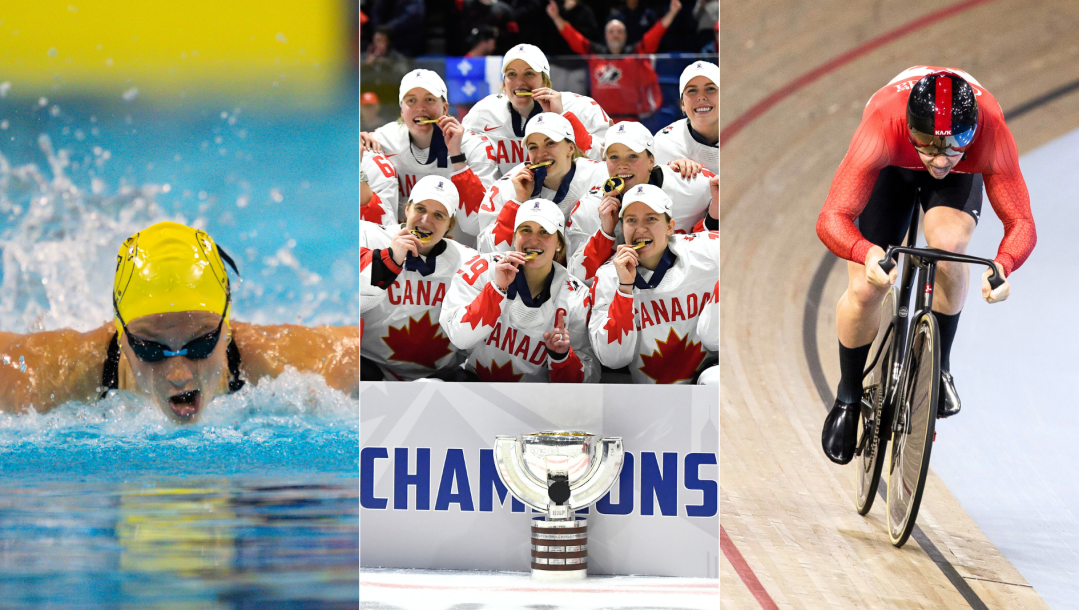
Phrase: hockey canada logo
(608, 74)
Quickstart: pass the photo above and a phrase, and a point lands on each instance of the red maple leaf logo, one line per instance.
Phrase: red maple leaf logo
(372, 212)
(619, 317)
(503, 231)
(596, 252)
(485, 310)
(419, 342)
(498, 373)
(674, 360)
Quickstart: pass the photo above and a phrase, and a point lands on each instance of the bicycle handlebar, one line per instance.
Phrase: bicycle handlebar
(888, 263)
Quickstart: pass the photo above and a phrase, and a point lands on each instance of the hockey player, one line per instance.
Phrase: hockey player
(697, 136)
(568, 177)
(413, 267)
(378, 188)
(648, 298)
(594, 229)
(520, 315)
(426, 141)
(526, 91)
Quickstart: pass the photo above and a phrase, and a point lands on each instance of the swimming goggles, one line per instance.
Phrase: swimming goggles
(196, 349)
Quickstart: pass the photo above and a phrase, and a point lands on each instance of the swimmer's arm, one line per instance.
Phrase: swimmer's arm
(330, 351)
(44, 370)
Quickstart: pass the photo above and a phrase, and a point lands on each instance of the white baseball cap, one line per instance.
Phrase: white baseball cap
(543, 211)
(550, 124)
(438, 188)
(650, 195)
(698, 68)
(630, 133)
(424, 79)
(531, 55)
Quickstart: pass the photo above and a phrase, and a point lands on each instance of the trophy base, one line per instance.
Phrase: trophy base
(560, 550)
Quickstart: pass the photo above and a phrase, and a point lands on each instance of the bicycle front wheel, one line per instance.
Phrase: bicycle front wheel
(912, 438)
(877, 387)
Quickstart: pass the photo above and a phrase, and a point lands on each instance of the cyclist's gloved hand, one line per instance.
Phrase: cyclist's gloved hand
(873, 273)
(1001, 293)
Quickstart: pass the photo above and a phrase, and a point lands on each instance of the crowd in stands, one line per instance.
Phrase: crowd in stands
(491, 27)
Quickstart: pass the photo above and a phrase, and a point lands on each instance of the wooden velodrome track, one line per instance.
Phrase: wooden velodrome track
(796, 76)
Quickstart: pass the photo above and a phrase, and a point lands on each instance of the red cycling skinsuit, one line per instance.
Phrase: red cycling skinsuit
(881, 140)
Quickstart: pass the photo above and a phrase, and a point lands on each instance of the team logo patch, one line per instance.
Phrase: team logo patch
(536, 206)
(439, 187)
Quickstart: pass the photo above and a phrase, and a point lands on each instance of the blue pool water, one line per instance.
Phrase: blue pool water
(108, 504)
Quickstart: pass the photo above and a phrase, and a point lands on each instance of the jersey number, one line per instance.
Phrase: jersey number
(477, 265)
(490, 205)
(385, 166)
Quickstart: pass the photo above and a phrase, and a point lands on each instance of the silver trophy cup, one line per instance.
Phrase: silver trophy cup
(558, 473)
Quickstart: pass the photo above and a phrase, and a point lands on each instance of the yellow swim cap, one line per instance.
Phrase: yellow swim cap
(169, 267)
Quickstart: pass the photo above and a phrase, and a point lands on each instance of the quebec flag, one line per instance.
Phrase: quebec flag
(470, 79)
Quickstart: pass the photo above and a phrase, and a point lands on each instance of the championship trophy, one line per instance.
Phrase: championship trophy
(558, 473)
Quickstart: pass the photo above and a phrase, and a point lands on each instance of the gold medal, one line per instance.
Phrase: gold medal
(614, 184)
(541, 164)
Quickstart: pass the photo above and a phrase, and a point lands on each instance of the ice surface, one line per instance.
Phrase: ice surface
(386, 589)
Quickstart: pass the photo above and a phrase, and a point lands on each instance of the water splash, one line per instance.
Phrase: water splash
(294, 423)
(59, 246)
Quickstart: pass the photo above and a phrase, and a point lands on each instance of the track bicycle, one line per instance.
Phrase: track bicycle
(901, 387)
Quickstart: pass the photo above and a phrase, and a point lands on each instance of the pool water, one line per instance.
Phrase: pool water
(109, 504)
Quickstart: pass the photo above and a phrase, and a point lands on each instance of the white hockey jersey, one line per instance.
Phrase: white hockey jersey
(589, 247)
(492, 117)
(656, 330)
(674, 142)
(401, 331)
(410, 164)
(496, 222)
(382, 178)
(504, 337)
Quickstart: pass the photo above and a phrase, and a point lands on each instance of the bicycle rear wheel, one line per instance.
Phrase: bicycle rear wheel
(912, 439)
(877, 387)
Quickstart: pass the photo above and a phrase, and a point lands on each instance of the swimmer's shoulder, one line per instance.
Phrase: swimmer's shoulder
(330, 351)
(45, 369)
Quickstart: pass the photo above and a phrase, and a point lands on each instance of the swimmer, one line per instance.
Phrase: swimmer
(171, 339)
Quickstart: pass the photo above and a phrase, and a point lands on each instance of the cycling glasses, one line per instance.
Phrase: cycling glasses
(931, 145)
(196, 349)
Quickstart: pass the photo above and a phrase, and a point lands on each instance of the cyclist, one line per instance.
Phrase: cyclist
(931, 136)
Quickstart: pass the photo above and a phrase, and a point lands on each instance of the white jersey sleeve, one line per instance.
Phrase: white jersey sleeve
(591, 117)
(479, 155)
(612, 329)
(372, 237)
(579, 301)
(708, 322)
(382, 179)
(587, 244)
(472, 305)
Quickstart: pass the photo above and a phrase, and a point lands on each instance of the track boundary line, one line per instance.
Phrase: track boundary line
(730, 551)
(815, 74)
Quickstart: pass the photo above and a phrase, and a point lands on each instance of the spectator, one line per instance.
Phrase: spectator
(627, 88)
(636, 17)
(382, 63)
(494, 13)
(706, 13)
(713, 45)
(404, 18)
(537, 30)
(369, 111)
(481, 41)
